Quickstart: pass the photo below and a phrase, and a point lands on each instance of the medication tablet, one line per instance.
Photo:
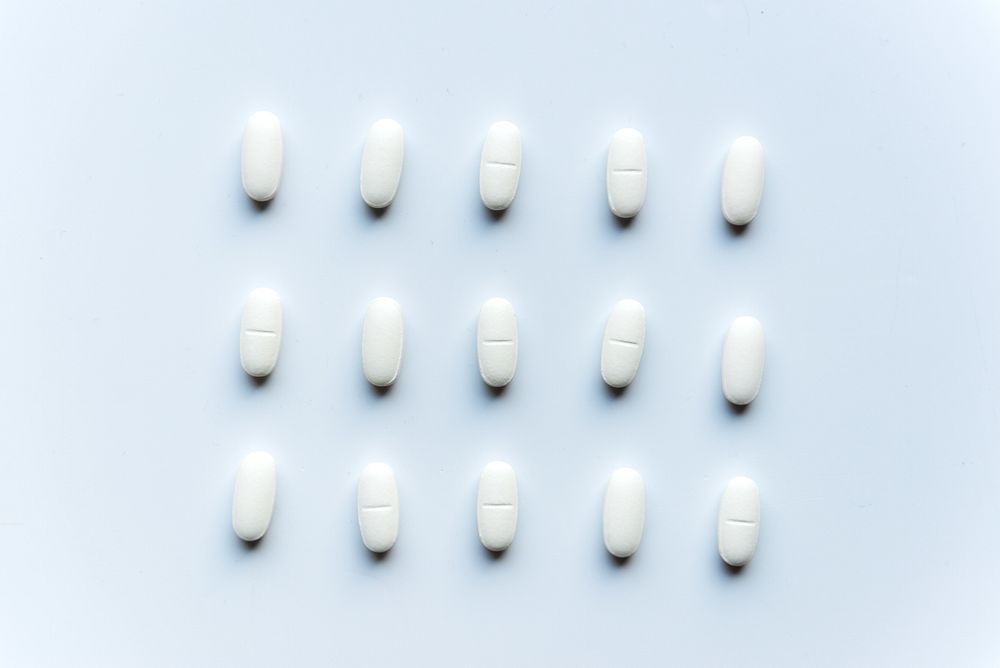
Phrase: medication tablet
(382, 163)
(496, 342)
(627, 173)
(496, 506)
(743, 360)
(500, 166)
(253, 496)
(378, 507)
(624, 341)
(382, 341)
(743, 181)
(624, 512)
(739, 521)
(262, 156)
(260, 332)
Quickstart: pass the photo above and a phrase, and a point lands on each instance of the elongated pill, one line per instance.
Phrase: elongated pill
(739, 521)
(382, 341)
(262, 157)
(624, 512)
(743, 181)
(627, 173)
(253, 496)
(382, 163)
(496, 506)
(743, 360)
(496, 342)
(260, 332)
(624, 341)
(500, 166)
(378, 507)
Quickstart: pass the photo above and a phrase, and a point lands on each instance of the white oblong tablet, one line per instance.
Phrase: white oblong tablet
(253, 496)
(382, 163)
(743, 360)
(624, 341)
(743, 181)
(627, 173)
(260, 332)
(739, 521)
(378, 507)
(500, 166)
(624, 512)
(262, 156)
(496, 506)
(496, 342)
(382, 341)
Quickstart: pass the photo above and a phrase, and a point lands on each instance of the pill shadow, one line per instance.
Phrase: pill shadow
(735, 231)
(256, 206)
(377, 557)
(249, 546)
(489, 556)
(618, 563)
(494, 393)
(623, 224)
(731, 571)
(375, 215)
(736, 409)
(614, 393)
(380, 390)
(256, 381)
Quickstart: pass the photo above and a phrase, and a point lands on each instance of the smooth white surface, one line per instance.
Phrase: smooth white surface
(743, 181)
(624, 341)
(260, 332)
(496, 342)
(378, 507)
(382, 163)
(382, 341)
(743, 356)
(500, 165)
(624, 512)
(874, 439)
(253, 495)
(627, 175)
(496, 506)
(739, 521)
(263, 156)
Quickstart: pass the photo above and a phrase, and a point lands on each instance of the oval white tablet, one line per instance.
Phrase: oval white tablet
(624, 512)
(743, 181)
(624, 341)
(382, 341)
(500, 166)
(496, 506)
(743, 360)
(260, 332)
(496, 342)
(378, 507)
(262, 156)
(253, 496)
(739, 521)
(627, 173)
(382, 163)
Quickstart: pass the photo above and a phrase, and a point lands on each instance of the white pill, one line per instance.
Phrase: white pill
(743, 181)
(739, 521)
(500, 166)
(382, 163)
(382, 341)
(496, 506)
(260, 332)
(624, 341)
(627, 173)
(624, 512)
(743, 360)
(262, 156)
(378, 507)
(253, 496)
(496, 342)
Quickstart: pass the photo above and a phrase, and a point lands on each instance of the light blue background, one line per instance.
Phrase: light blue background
(128, 248)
